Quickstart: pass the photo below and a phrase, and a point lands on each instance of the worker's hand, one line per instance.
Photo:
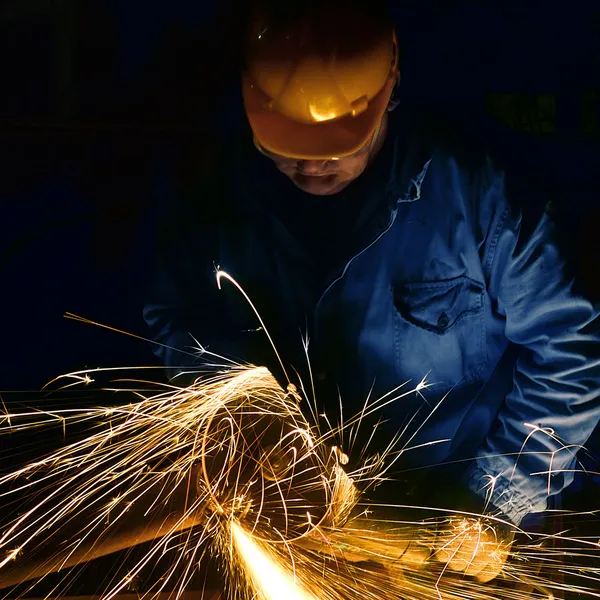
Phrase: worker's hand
(474, 546)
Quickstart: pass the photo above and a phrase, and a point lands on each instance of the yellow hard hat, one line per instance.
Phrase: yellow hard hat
(317, 87)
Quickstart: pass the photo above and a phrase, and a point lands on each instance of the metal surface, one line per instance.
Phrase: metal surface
(136, 529)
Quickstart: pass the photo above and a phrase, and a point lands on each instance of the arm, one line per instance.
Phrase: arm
(555, 402)
(185, 312)
(554, 405)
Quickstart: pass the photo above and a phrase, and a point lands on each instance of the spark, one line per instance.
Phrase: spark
(11, 555)
(231, 466)
(235, 461)
(271, 580)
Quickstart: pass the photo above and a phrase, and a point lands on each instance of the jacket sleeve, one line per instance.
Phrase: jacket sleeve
(185, 311)
(554, 405)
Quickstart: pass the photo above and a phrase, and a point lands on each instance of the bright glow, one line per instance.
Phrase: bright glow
(200, 454)
(321, 115)
(270, 579)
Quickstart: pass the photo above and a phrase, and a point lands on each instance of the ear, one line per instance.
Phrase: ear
(395, 96)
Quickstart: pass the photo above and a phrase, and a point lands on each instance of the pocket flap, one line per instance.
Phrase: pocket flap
(439, 305)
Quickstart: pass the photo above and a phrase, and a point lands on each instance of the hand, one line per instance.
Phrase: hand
(374, 540)
(474, 546)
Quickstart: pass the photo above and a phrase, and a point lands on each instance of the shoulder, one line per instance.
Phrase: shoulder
(493, 184)
(448, 142)
(467, 180)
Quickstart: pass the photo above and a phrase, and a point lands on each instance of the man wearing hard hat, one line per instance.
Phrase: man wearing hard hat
(389, 254)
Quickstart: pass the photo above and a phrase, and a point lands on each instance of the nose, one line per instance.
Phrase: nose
(311, 167)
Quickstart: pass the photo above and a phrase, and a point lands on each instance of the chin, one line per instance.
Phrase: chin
(319, 186)
(319, 192)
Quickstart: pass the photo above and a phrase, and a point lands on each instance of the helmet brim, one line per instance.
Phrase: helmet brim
(312, 141)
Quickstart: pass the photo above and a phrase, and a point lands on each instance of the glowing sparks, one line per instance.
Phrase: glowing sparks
(270, 579)
(232, 465)
(10, 555)
(206, 452)
(233, 462)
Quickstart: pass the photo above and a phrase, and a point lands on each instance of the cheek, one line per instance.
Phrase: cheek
(351, 168)
(285, 168)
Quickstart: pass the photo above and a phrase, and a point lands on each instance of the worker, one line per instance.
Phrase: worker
(389, 257)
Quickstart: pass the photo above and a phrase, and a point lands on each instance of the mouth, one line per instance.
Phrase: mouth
(321, 176)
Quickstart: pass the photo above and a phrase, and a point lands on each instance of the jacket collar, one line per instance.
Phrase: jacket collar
(412, 156)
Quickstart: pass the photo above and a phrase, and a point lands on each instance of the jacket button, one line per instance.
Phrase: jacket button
(321, 375)
(443, 321)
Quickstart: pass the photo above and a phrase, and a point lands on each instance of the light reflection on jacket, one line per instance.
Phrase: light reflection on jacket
(447, 281)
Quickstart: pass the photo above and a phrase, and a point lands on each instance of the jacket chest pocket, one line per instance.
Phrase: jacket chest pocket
(439, 329)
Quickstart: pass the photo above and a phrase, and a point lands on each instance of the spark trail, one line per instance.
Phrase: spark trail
(236, 466)
(241, 473)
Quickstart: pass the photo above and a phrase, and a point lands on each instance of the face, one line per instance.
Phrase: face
(323, 177)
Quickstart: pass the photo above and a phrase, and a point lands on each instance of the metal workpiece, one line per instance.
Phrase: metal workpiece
(143, 522)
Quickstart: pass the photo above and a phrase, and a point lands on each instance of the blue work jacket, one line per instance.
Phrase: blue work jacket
(444, 284)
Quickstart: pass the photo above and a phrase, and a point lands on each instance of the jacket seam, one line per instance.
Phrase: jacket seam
(494, 242)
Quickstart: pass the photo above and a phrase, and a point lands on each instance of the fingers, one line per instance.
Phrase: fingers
(462, 553)
(473, 548)
(455, 552)
(491, 570)
(478, 564)
(415, 555)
